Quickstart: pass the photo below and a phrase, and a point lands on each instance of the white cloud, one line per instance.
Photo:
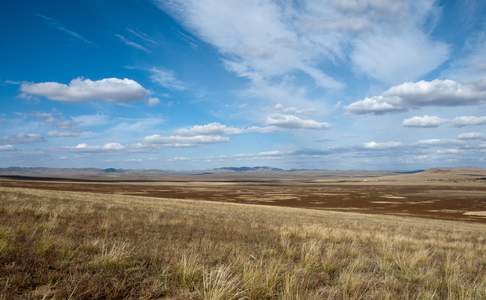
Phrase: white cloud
(131, 43)
(274, 122)
(290, 109)
(375, 105)
(209, 129)
(449, 151)
(411, 95)
(471, 64)
(153, 101)
(143, 36)
(23, 138)
(285, 92)
(7, 147)
(256, 34)
(90, 120)
(470, 136)
(81, 90)
(387, 40)
(469, 121)
(108, 147)
(134, 126)
(437, 142)
(112, 146)
(180, 140)
(294, 122)
(63, 134)
(55, 119)
(64, 29)
(81, 146)
(166, 78)
(394, 58)
(424, 121)
(382, 145)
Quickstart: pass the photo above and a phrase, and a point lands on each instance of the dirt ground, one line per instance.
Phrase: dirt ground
(452, 202)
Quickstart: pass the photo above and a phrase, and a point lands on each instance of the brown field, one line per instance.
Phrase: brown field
(433, 194)
(164, 240)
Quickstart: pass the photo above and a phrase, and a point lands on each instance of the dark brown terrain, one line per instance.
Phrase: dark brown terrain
(442, 194)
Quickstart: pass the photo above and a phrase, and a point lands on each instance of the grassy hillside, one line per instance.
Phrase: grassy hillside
(68, 245)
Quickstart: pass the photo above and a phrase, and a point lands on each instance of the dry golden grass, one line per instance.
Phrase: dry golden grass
(71, 245)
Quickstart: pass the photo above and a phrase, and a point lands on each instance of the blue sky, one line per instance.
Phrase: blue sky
(199, 84)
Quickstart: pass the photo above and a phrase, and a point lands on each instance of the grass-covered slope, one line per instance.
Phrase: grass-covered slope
(67, 245)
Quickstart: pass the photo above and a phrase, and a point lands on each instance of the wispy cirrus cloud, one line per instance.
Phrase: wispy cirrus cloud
(166, 78)
(266, 41)
(54, 23)
(143, 36)
(132, 43)
(23, 138)
(64, 134)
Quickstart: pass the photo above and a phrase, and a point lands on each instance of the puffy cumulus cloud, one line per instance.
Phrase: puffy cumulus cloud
(294, 122)
(471, 136)
(469, 121)
(274, 122)
(7, 147)
(179, 140)
(214, 128)
(166, 78)
(375, 105)
(424, 121)
(81, 146)
(108, 147)
(412, 95)
(112, 146)
(82, 90)
(372, 145)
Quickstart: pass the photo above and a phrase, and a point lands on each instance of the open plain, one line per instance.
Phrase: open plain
(352, 237)
(458, 194)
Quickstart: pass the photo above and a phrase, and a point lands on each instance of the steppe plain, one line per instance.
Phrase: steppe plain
(243, 235)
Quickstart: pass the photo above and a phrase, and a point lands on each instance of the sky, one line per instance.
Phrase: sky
(200, 84)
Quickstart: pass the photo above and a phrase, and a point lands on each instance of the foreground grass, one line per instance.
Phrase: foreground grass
(66, 245)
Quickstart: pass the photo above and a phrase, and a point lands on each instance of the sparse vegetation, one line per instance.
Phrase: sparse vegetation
(71, 245)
